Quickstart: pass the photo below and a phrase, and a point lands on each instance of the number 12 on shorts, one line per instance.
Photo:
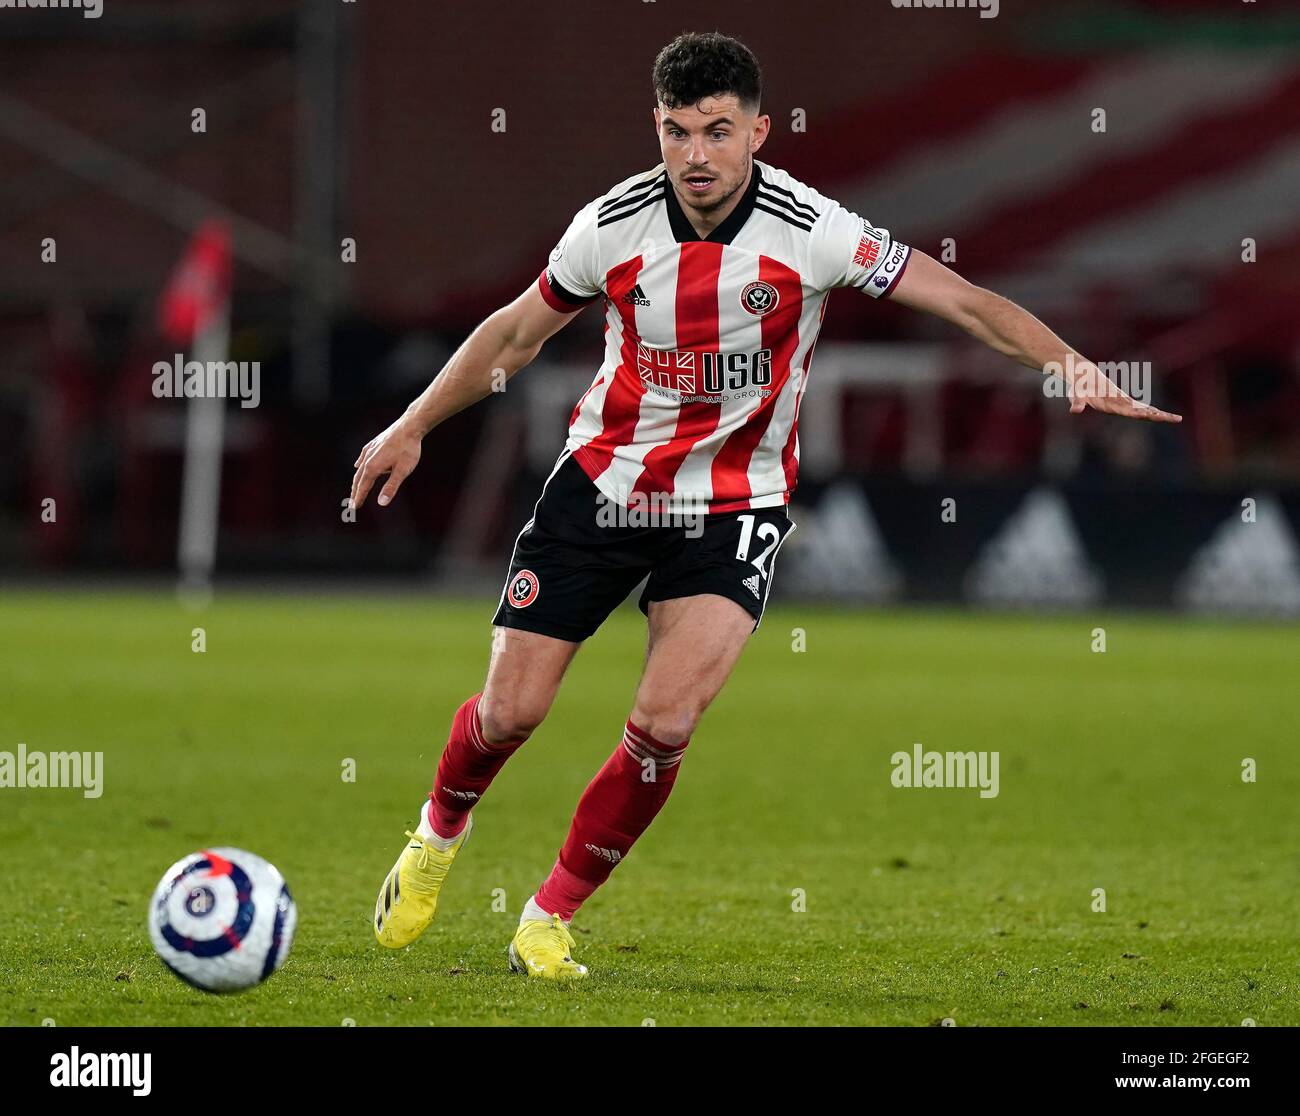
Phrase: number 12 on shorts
(766, 531)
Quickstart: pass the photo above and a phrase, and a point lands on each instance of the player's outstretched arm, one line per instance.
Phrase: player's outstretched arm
(497, 349)
(1013, 331)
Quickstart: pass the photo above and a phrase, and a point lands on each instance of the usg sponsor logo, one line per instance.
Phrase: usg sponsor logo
(691, 371)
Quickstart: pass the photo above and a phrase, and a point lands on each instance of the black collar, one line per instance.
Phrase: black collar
(725, 233)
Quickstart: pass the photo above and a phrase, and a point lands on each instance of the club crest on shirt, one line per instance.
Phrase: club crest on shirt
(759, 298)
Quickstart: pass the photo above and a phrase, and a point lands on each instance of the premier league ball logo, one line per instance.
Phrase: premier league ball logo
(222, 919)
(759, 298)
(200, 902)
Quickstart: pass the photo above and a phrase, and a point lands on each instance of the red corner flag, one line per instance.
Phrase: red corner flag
(200, 285)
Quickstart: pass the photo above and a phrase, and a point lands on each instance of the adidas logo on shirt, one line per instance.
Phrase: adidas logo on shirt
(636, 297)
(751, 583)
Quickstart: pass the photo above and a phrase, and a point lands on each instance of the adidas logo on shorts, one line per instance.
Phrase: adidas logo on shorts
(751, 583)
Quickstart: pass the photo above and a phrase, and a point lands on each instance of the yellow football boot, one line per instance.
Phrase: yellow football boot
(545, 949)
(409, 898)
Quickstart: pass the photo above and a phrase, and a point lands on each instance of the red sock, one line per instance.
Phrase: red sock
(467, 767)
(614, 810)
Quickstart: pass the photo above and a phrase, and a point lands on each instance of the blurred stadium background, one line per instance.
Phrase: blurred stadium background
(375, 121)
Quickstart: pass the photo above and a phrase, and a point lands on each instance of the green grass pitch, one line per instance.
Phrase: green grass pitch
(1120, 771)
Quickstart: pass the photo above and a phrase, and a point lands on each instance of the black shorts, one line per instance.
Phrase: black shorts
(577, 559)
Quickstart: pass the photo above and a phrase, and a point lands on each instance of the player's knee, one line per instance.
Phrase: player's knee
(669, 722)
(508, 720)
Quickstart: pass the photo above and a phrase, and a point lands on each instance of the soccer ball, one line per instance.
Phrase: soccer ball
(222, 919)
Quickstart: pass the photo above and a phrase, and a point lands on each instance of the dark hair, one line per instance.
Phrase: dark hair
(696, 65)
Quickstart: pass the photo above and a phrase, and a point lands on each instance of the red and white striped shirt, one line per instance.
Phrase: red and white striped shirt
(707, 342)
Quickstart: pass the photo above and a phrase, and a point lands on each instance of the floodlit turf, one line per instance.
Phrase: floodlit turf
(1119, 771)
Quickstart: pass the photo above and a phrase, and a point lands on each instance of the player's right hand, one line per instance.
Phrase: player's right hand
(395, 453)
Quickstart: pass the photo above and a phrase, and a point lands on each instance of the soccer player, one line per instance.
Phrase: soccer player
(713, 270)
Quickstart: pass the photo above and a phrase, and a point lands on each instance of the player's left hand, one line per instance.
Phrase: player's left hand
(1091, 388)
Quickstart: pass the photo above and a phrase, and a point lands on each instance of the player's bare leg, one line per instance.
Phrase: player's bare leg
(523, 677)
(694, 643)
(693, 646)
